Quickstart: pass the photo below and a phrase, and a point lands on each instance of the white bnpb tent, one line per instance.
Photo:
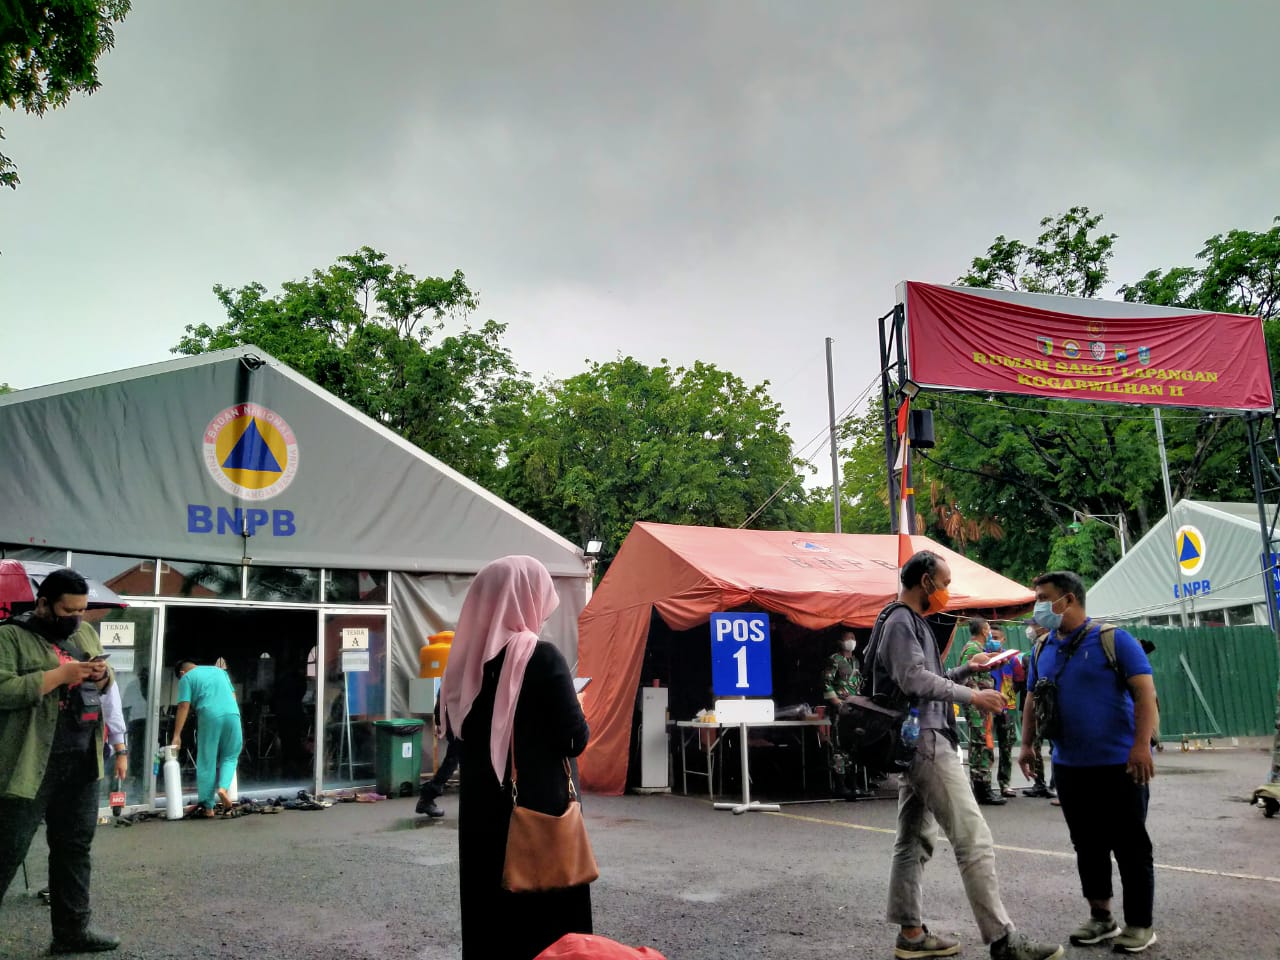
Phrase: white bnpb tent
(1203, 561)
(249, 516)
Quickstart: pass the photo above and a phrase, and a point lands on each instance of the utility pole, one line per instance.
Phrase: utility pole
(835, 456)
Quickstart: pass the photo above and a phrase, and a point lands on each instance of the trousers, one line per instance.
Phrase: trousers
(68, 802)
(936, 793)
(1106, 813)
(218, 745)
(1002, 732)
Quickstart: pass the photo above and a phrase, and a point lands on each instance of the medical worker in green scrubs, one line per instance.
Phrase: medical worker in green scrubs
(218, 740)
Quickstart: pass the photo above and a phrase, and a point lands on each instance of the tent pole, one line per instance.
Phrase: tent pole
(1268, 561)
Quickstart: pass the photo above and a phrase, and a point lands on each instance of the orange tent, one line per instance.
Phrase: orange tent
(815, 580)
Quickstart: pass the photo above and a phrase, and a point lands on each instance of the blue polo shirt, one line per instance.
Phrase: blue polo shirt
(1097, 710)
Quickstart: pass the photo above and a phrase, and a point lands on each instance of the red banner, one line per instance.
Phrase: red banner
(967, 341)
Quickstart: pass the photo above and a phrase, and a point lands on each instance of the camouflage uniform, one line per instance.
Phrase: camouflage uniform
(840, 677)
(980, 755)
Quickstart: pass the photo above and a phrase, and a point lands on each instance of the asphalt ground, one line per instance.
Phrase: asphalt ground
(374, 881)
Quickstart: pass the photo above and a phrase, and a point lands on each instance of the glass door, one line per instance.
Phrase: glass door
(128, 638)
(351, 667)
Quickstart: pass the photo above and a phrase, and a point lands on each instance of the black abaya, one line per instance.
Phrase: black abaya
(548, 726)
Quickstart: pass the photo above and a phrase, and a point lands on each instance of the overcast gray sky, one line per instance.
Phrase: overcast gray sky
(725, 181)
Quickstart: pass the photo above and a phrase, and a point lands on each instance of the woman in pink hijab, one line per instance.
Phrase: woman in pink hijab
(502, 690)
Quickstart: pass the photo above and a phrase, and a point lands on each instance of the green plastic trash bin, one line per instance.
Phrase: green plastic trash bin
(397, 756)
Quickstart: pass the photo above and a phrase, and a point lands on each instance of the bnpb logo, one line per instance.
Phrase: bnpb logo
(1189, 544)
(251, 452)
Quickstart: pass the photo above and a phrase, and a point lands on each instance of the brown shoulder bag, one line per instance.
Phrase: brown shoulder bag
(546, 852)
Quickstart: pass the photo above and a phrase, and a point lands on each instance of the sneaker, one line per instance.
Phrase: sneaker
(1094, 931)
(1017, 946)
(1039, 790)
(930, 945)
(1134, 940)
(1008, 791)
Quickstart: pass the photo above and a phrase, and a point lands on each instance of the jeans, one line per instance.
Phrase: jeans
(68, 801)
(1106, 812)
(935, 792)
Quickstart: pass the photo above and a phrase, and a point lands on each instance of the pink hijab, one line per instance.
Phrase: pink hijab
(506, 605)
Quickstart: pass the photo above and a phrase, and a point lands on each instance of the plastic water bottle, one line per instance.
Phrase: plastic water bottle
(172, 784)
(911, 729)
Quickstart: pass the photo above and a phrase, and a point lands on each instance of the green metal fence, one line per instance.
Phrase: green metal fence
(1211, 681)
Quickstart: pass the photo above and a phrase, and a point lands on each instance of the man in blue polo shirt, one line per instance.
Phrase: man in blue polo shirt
(1101, 732)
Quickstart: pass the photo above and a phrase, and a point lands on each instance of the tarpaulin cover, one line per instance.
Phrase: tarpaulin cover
(1078, 349)
(816, 580)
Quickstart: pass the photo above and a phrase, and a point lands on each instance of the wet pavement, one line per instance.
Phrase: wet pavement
(374, 881)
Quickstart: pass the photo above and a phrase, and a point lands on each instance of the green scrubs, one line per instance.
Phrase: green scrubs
(218, 740)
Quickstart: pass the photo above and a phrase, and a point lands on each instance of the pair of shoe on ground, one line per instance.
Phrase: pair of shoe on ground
(1017, 946)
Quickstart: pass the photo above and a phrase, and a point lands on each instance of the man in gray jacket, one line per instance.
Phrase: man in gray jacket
(935, 790)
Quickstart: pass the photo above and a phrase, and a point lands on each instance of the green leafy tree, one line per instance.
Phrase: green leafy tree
(367, 331)
(1069, 258)
(625, 442)
(49, 50)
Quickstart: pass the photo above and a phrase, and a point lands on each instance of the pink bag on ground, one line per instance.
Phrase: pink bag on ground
(589, 946)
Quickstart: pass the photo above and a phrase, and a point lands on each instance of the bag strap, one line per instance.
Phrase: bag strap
(568, 775)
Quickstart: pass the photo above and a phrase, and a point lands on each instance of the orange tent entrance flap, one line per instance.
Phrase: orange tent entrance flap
(815, 580)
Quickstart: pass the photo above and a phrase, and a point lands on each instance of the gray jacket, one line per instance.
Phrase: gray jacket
(907, 658)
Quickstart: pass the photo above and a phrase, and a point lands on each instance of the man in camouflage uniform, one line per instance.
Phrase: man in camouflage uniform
(980, 755)
(841, 679)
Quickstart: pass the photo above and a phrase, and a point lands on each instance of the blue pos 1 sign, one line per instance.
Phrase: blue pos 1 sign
(740, 664)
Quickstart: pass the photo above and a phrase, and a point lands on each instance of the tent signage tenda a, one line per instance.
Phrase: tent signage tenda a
(251, 453)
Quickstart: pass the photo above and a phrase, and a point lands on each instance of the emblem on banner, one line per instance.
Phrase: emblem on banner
(1071, 349)
(1046, 345)
(1190, 546)
(1098, 350)
(1122, 354)
(251, 452)
(1096, 328)
(809, 545)
(1144, 355)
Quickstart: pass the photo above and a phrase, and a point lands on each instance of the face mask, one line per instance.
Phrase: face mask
(1031, 633)
(992, 645)
(64, 627)
(847, 646)
(1044, 615)
(937, 599)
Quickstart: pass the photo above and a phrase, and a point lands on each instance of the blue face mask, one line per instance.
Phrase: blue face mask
(992, 645)
(1044, 615)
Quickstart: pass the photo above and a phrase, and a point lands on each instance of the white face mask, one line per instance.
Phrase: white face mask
(847, 646)
(1031, 632)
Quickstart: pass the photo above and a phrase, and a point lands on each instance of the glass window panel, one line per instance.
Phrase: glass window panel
(129, 654)
(356, 586)
(200, 580)
(284, 584)
(353, 698)
(132, 576)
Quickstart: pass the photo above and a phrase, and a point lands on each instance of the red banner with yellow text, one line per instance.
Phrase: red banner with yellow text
(968, 341)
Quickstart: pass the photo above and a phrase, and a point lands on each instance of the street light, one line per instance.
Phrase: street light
(1083, 517)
